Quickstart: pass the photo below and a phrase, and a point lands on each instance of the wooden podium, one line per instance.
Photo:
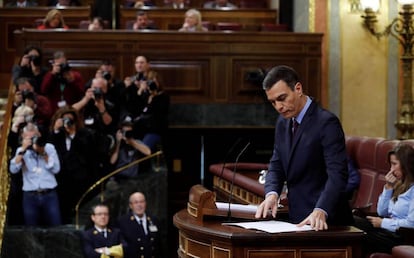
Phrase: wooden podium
(205, 236)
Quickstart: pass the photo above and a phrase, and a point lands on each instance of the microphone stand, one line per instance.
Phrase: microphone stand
(226, 157)
(232, 180)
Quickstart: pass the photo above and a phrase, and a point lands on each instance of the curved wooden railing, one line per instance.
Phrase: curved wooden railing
(4, 157)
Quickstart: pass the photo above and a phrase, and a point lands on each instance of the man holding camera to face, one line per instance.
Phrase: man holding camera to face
(100, 113)
(39, 164)
(127, 150)
(62, 84)
(26, 95)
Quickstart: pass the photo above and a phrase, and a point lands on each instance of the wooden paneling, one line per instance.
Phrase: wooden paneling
(196, 68)
(337, 242)
(172, 19)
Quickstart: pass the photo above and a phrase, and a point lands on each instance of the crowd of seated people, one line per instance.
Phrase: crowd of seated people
(94, 125)
(101, 18)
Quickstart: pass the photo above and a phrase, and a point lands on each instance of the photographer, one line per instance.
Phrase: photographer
(101, 116)
(30, 66)
(152, 124)
(39, 163)
(135, 96)
(62, 84)
(127, 150)
(115, 86)
(25, 95)
(99, 113)
(76, 148)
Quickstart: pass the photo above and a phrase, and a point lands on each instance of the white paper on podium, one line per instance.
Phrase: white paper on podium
(271, 226)
(249, 208)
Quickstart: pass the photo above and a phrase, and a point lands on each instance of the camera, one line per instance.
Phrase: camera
(140, 77)
(68, 122)
(128, 134)
(35, 60)
(64, 67)
(152, 85)
(26, 94)
(39, 141)
(107, 76)
(98, 93)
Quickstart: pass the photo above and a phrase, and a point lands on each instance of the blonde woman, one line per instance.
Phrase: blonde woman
(193, 21)
(53, 20)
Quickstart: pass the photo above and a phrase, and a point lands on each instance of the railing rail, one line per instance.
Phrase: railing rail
(4, 159)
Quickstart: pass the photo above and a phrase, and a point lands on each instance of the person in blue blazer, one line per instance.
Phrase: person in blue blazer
(311, 160)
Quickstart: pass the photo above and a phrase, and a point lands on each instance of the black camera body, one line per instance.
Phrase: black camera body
(107, 76)
(68, 122)
(64, 67)
(98, 93)
(39, 141)
(35, 60)
(152, 85)
(128, 134)
(27, 94)
(140, 77)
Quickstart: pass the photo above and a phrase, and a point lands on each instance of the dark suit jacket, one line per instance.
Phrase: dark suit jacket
(92, 239)
(314, 166)
(139, 244)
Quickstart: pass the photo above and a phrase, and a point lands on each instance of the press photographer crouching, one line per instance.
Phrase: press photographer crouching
(39, 164)
(127, 149)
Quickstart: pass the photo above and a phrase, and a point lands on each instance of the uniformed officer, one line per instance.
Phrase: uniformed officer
(101, 240)
(139, 229)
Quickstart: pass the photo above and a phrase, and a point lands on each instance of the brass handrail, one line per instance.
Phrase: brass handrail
(4, 169)
(100, 181)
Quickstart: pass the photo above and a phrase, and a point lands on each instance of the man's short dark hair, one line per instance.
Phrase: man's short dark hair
(281, 72)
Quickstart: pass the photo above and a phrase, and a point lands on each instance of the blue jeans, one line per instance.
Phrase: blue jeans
(41, 208)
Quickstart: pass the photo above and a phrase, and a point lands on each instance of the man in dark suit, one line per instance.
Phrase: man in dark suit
(310, 157)
(139, 229)
(102, 239)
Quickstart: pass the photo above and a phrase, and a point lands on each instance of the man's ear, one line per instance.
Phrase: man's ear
(298, 87)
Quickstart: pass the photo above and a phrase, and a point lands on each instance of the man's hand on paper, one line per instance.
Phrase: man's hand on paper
(317, 220)
(269, 204)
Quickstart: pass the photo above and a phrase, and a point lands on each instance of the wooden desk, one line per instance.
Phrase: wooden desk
(172, 19)
(12, 19)
(196, 68)
(209, 238)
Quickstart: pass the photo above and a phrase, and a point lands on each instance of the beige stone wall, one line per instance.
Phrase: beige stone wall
(364, 86)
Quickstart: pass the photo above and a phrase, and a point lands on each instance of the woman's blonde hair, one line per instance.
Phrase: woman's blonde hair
(22, 111)
(50, 15)
(197, 15)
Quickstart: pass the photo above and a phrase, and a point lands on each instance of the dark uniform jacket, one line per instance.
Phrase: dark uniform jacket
(92, 239)
(139, 245)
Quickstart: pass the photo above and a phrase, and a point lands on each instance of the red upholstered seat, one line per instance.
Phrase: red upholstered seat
(274, 27)
(228, 26)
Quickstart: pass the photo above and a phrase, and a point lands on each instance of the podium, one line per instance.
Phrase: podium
(204, 236)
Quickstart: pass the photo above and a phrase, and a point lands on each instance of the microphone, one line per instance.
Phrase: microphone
(232, 180)
(226, 156)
